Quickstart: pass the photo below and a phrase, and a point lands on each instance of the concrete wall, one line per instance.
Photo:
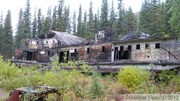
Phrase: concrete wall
(91, 53)
(168, 49)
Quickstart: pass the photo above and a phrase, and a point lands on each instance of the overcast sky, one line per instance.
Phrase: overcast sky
(15, 5)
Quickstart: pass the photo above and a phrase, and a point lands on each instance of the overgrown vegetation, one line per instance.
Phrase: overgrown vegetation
(131, 77)
(74, 85)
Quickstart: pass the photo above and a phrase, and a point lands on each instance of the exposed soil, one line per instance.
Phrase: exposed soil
(2, 93)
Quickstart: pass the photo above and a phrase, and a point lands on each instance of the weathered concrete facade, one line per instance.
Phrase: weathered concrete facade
(167, 49)
(87, 53)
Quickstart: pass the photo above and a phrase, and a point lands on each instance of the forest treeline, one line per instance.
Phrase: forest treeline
(159, 19)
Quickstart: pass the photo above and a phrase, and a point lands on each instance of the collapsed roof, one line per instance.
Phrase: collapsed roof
(64, 38)
(133, 35)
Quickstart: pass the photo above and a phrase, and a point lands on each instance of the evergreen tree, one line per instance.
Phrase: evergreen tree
(168, 29)
(104, 14)
(60, 20)
(120, 22)
(175, 16)
(27, 21)
(47, 22)
(96, 23)
(90, 31)
(130, 21)
(96, 88)
(79, 25)
(112, 17)
(84, 26)
(20, 28)
(54, 18)
(152, 18)
(39, 23)
(1, 30)
(7, 39)
(66, 21)
(34, 25)
(74, 22)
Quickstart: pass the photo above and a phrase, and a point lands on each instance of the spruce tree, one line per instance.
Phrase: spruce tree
(90, 32)
(34, 25)
(96, 90)
(60, 19)
(130, 21)
(20, 28)
(39, 22)
(47, 22)
(152, 18)
(79, 25)
(120, 22)
(66, 20)
(96, 23)
(112, 15)
(7, 39)
(168, 29)
(27, 20)
(54, 16)
(104, 14)
(175, 16)
(1, 30)
(84, 26)
(74, 23)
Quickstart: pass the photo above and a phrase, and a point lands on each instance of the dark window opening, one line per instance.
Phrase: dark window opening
(129, 47)
(157, 45)
(48, 53)
(147, 46)
(64, 56)
(116, 56)
(46, 42)
(37, 42)
(121, 48)
(103, 48)
(87, 50)
(30, 55)
(124, 54)
(138, 46)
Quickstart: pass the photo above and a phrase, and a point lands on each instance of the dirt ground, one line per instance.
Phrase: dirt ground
(2, 94)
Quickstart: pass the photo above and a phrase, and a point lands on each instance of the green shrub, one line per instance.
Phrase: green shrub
(165, 76)
(175, 82)
(96, 87)
(8, 70)
(131, 76)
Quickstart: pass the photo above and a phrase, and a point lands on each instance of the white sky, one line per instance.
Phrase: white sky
(15, 5)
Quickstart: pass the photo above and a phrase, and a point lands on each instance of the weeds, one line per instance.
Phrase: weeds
(74, 85)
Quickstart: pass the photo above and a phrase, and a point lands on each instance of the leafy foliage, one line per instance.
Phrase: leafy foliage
(166, 76)
(175, 82)
(131, 76)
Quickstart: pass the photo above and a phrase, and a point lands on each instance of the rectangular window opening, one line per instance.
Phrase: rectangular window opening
(103, 48)
(129, 47)
(138, 46)
(87, 50)
(121, 48)
(147, 46)
(157, 45)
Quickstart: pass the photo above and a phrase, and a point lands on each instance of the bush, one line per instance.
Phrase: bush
(166, 76)
(175, 82)
(131, 76)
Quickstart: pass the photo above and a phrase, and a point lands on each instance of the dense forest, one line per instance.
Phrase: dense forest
(159, 19)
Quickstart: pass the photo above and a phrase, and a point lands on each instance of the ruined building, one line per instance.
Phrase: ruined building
(104, 52)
